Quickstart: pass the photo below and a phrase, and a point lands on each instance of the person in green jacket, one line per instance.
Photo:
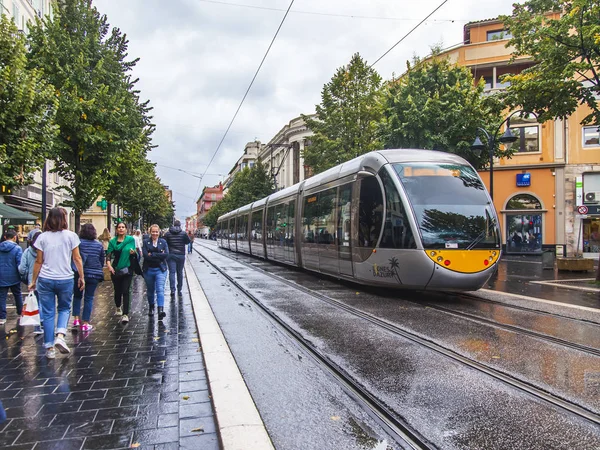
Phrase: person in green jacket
(117, 260)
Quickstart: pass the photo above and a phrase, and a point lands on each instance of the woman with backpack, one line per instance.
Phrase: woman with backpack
(92, 253)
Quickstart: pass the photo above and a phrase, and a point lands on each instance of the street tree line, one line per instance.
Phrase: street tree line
(67, 95)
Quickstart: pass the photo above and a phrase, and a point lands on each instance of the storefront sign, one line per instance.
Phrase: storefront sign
(523, 179)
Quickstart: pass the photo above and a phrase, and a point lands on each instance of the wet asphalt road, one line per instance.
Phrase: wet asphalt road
(452, 405)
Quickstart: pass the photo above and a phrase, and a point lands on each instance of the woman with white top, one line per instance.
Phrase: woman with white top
(53, 277)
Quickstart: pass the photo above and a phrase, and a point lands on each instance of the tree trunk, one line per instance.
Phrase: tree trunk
(77, 221)
(108, 217)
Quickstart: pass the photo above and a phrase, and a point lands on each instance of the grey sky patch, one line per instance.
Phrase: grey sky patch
(197, 59)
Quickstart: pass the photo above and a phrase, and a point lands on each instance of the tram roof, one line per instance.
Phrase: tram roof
(371, 162)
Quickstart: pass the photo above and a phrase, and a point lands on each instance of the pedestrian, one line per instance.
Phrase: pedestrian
(119, 249)
(191, 244)
(53, 277)
(155, 251)
(10, 257)
(177, 241)
(93, 256)
(105, 238)
(33, 232)
(138, 240)
(26, 273)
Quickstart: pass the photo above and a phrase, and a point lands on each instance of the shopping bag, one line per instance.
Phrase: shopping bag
(31, 313)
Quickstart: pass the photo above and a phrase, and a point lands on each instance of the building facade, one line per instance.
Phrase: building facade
(247, 160)
(553, 177)
(24, 11)
(208, 198)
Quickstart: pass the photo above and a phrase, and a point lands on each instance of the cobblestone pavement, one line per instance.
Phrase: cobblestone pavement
(141, 385)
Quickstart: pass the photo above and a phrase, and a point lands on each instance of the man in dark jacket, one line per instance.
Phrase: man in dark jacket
(178, 240)
(10, 257)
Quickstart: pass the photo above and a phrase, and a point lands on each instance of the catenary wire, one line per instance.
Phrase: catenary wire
(245, 95)
(410, 32)
(315, 13)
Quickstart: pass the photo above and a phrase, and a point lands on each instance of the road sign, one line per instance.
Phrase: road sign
(582, 209)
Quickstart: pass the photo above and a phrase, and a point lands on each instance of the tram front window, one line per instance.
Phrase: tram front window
(450, 204)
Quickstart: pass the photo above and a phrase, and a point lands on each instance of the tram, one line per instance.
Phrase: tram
(413, 219)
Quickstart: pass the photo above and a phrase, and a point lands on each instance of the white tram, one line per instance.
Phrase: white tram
(414, 219)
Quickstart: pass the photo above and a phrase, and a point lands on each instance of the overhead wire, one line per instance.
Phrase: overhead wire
(315, 13)
(245, 95)
(410, 32)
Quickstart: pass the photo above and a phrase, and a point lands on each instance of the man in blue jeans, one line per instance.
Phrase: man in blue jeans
(10, 257)
(178, 240)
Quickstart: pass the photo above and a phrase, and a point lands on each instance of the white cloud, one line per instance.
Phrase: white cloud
(198, 57)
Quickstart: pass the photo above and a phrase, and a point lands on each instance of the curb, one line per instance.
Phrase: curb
(239, 422)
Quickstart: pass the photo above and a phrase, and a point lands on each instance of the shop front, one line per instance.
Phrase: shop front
(524, 224)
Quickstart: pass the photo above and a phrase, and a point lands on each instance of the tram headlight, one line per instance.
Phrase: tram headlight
(493, 253)
(432, 254)
(440, 259)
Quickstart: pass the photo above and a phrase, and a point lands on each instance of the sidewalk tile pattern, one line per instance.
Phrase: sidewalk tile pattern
(141, 385)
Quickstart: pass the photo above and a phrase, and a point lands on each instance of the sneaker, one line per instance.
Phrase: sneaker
(179, 293)
(50, 353)
(38, 329)
(119, 311)
(2, 321)
(124, 319)
(76, 323)
(86, 327)
(61, 345)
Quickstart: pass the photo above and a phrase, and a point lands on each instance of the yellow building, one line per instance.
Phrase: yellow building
(548, 193)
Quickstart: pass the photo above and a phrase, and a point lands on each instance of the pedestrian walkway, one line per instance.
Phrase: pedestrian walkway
(141, 385)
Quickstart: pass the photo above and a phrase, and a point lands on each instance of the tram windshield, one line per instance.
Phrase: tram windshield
(450, 204)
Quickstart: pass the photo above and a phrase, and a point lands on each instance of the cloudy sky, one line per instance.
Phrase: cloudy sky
(197, 58)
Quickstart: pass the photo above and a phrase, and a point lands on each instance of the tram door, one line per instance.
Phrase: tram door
(327, 232)
(290, 250)
(343, 229)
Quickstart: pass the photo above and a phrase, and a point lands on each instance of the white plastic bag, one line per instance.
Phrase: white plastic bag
(31, 313)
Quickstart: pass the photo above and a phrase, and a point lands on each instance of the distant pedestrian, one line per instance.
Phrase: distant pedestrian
(53, 277)
(119, 249)
(26, 273)
(105, 238)
(155, 251)
(33, 232)
(10, 257)
(191, 244)
(93, 257)
(138, 240)
(178, 241)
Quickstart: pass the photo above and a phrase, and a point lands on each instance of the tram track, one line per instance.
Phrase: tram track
(510, 380)
(397, 429)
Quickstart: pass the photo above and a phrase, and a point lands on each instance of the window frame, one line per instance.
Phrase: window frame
(520, 137)
(583, 130)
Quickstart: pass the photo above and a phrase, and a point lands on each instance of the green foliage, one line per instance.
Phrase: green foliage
(249, 185)
(436, 105)
(567, 53)
(347, 118)
(99, 113)
(27, 110)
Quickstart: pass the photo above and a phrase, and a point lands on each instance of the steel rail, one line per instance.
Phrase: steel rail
(397, 428)
(528, 388)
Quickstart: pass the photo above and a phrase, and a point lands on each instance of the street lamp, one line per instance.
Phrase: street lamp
(507, 139)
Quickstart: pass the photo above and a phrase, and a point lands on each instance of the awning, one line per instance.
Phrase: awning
(13, 216)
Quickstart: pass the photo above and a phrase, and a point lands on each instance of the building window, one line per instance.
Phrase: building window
(489, 82)
(526, 129)
(591, 235)
(213, 196)
(591, 136)
(496, 35)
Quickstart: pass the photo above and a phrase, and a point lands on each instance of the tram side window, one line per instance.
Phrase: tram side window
(257, 225)
(370, 212)
(397, 232)
(270, 224)
(309, 218)
(243, 227)
(280, 223)
(230, 225)
(344, 215)
(327, 220)
(289, 230)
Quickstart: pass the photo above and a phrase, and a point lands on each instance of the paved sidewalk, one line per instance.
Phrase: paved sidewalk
(142, 385)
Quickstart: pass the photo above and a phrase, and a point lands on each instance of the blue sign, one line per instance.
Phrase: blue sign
(523, 179)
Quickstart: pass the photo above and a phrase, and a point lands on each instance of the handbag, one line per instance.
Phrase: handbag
(134, 262)
(31, 312)
(122, 272)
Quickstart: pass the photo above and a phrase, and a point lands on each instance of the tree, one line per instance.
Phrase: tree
(27, 110)
(566, 49)
(99, 112)
(436, 105)
(249, 185)
(347, 118)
